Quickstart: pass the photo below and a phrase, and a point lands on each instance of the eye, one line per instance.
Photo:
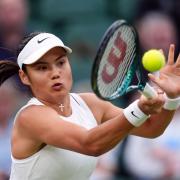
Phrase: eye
(42, 67)
(61, 62)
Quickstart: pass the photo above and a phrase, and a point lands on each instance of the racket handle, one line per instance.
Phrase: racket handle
(149, 91)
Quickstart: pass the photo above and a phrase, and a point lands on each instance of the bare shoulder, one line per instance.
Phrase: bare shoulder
(33, 115)
(91, 99)
(35, 111)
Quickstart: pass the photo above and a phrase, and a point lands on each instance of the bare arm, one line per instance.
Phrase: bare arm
(152, 128)
(155, 125)
(42, 124)
(168, 81)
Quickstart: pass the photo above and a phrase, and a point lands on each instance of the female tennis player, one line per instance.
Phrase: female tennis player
(58, 134)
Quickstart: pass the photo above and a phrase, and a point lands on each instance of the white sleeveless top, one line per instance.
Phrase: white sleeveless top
(51, 163)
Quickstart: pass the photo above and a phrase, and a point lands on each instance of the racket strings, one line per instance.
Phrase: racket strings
(111, 88)
(130, 52)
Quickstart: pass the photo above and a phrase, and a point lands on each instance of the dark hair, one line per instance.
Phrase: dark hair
(9, 68)
(25, 40)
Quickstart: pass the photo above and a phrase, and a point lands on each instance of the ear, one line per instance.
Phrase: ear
(24, 78)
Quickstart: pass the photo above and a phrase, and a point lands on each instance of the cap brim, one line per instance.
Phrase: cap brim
(41, 52)
(39, 46)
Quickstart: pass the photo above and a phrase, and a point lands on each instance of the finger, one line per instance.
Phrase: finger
(160, 91)
(155, 101)
(171, 55)
(158, 80)
(161, 95)
(152, 77)
(161, 99)
(161, 51)
(178, 61)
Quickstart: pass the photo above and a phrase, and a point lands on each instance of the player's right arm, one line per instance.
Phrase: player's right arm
(38, 125)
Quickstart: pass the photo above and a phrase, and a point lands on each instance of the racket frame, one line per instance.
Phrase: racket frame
(133, 66)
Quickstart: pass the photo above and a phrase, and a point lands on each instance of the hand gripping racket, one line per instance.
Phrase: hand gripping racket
(116, 63)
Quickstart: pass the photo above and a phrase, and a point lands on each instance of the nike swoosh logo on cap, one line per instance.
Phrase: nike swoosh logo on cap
(40, 41)
(132, 112)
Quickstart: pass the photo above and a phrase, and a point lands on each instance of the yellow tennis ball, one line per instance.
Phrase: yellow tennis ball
(153, 60)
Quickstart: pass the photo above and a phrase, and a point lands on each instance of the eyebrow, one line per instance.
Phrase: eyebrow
(43, 62)
(39, 62)
(59, 57)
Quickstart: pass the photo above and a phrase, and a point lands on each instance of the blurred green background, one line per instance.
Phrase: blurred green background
(80, 24)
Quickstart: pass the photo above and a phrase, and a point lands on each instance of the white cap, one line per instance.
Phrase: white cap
(38, 46)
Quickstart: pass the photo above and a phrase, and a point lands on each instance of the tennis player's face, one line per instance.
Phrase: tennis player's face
(50, 77)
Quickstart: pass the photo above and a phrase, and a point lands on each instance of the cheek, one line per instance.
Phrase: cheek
(69, 77)
(38, 81)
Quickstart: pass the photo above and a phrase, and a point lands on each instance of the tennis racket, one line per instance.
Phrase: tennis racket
(117, 62)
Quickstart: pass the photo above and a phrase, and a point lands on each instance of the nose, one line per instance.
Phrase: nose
(55, 72)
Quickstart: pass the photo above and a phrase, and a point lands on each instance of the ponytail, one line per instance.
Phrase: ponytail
(7, 69)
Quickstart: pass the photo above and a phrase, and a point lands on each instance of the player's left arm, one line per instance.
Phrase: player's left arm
(153, 126)
(102, 110)
(168, 81)
(105, 111)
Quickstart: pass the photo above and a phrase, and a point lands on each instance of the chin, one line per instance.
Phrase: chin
(60, 94)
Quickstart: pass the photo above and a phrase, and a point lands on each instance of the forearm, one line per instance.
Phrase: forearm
(155, 125)
(110, 133)
(107, 135)
(159, 122)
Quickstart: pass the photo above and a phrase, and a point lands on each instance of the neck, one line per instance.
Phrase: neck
(62, 106)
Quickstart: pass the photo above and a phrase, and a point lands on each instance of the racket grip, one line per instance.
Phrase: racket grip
(149, 91)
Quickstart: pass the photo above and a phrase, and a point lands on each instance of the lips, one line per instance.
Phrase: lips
(57, 86)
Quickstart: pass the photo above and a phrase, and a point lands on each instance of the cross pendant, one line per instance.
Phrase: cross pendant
(61, 106)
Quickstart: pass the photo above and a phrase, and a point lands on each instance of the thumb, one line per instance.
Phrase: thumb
(154, 79)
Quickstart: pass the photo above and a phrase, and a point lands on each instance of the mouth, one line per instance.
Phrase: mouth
(57, 86)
